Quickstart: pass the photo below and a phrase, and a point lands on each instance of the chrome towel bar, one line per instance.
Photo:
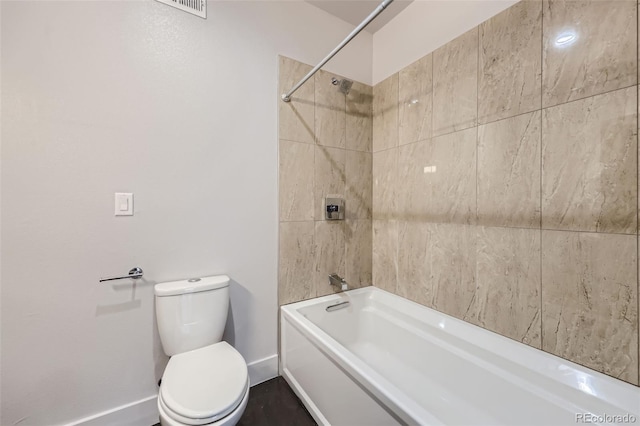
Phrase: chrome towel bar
(135, 273)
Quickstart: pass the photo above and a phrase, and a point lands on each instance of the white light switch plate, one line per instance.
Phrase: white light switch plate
(124, 204)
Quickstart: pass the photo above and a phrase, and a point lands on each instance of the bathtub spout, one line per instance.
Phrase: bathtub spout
(338, 281)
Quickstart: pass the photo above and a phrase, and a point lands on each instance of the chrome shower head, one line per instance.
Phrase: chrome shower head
(345, 85)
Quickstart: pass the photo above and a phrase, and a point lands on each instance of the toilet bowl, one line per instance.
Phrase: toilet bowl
(206, 386)
(206, 381)
(229, 420)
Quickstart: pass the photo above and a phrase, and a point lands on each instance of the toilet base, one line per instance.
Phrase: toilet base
(229, 420)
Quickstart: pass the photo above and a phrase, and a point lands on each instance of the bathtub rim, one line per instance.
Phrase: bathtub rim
(613, 391)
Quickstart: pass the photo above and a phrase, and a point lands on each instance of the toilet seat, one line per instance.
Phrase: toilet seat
(169, 418)
(204, 385)
(231, 420)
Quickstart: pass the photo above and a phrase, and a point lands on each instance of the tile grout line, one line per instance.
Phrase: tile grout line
(430, 284)
(373, 119)
(637, 186)
(433, 109)
(479, 225)
(588, 97)
(327, 146)
(371, 230)
(477, 135)
(371, 192)
(432, 89)
(510, 117)
(395, 183)
(540, 179)
(279, 215)
(478, 124)
(475, 270)
(313, 180)
(344, 191)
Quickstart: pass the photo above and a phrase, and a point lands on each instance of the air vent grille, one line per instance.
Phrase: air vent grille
(195, 7)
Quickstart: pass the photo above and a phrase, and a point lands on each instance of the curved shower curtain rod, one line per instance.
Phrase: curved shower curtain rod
(382, 6)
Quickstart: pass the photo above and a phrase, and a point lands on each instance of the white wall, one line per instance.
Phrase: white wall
(424, 26)
(103, 97)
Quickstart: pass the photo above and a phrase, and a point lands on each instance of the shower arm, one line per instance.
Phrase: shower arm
(382, 6)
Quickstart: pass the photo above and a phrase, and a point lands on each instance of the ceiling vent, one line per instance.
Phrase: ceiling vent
(195, 7)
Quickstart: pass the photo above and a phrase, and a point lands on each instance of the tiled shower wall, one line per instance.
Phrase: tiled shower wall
(505, 180)
(325, 149)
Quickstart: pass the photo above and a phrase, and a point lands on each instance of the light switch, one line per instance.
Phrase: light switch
(124, 204)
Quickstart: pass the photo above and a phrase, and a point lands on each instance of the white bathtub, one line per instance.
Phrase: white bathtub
(386, 360)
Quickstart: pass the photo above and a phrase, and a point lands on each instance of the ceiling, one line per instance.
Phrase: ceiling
(354, 11)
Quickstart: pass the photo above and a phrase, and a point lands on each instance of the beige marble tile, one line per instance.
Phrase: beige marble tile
(415, 101)
(330, 115)
(358, 236)
(295, 181)
(452, 257)
(385, 255)
(509, 172)
(385, 165)
(510, 68)
(436, 265)
(295, 118)
(455, 84)
(602, 56)
(385, 114)
(358, 170)
(414, 195)
(329, 178)
(508, 291)
(450, 178)
(590, 300)
(330, 254)
(589, 161)
(359, 122)
(414, 266)
(296, 262)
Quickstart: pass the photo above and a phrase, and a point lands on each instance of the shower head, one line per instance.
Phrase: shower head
(344, 85)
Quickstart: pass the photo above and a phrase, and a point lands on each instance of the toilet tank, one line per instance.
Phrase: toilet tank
(191, 313)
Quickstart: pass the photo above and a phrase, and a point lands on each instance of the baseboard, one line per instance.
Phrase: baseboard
(263, 369)
(139, 413)
(145, 411)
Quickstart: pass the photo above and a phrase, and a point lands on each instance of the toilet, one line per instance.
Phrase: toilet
(206, 380)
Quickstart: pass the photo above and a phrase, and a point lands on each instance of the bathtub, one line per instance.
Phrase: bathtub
(384, 360)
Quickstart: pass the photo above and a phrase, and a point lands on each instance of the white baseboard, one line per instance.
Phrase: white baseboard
(145, 411)
(139, 413)
(263, 369)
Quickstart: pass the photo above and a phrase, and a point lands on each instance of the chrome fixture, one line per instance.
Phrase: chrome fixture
(334, 208)
(134, 274)
(382, 6)
(338, 281)
(345, 85)
(336, 306)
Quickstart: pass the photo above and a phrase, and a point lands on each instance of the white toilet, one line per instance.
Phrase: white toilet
(206, 380)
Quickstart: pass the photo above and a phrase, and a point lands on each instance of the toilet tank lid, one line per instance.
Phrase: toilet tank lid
(193, 285)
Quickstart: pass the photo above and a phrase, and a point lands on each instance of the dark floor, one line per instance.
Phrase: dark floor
(273, 403)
